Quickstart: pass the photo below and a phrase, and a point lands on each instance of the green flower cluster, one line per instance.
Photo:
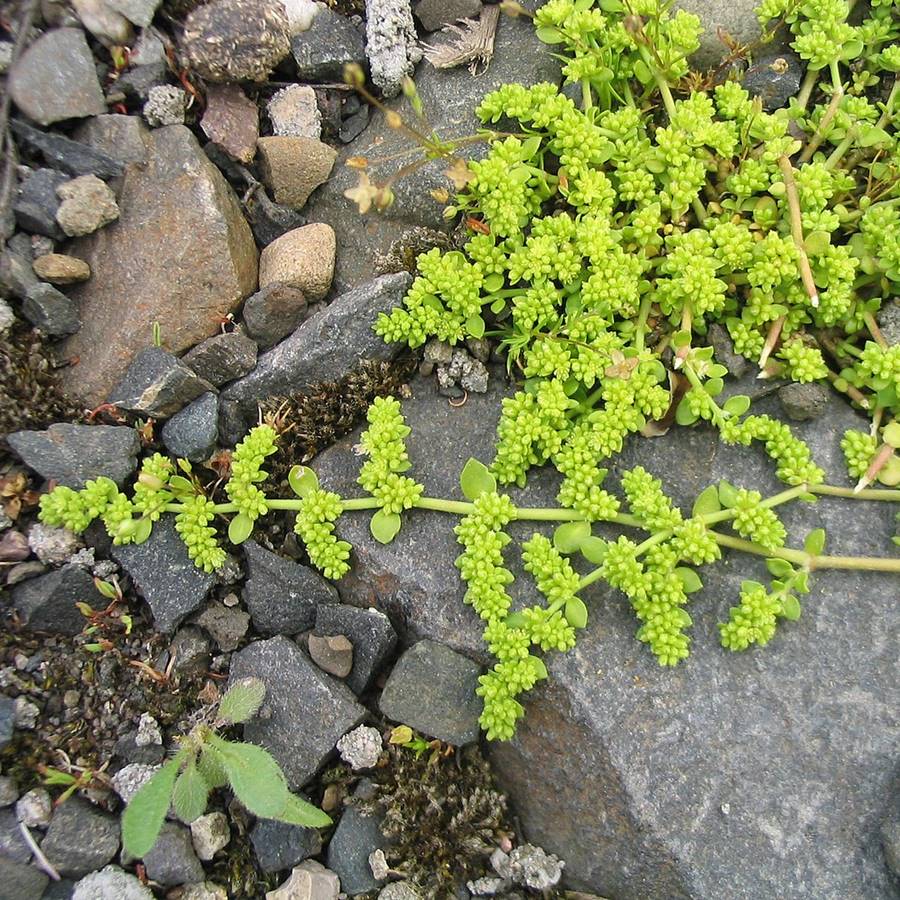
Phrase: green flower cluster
(192, 523)
(150, 493)
(804, 363)
(319, 510)
(757, 523)
(384, 442)
(859, 448)
(247, 471)
(98, 499)
(754, 620)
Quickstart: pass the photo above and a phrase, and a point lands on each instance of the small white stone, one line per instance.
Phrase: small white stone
(148, 731)
(111, 882)
(295, 113)
(300, 14)
(6, 49)
(7, 317)
(53, 545)
(131, 778)
(399, 890)
(360, 748)
(165, 105)
(210, 833)
(34, 809)
(308, 881)
(25, 714)
(535, 868)
(378, 864)
(208, 890)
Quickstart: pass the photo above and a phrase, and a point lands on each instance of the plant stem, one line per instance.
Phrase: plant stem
(806, 89)
(874, 330)
(883, 494)
(793, 199)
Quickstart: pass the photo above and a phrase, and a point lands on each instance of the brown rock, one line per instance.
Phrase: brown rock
(181, 254)
(231, 120)
(293, 167)
(332, 654)
(302, 258)
(57, 268)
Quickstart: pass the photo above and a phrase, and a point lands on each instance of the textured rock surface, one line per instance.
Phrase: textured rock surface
(74, 454)
(293, 167)
(432, 689)
(80, 838)
(279, 845)
(305, 711)
(50, 310)
(391, 43)
(47, 603)
(162, 571)
(435, 14)
(36, 203)
(192, 432)
(322, 51)
(65, 154)
(302, 259)
(324, 348)
(55, 78)
(355, 838)
(735, 17)
(231, 120)
(191, 260)
(282, 595)
(796, 741)
(449, 96)
(111, 883)
(87, 204)
(57, 268)
(172, 859)
(273, 313)
(223, 357)
(294, 111)
(19, 881)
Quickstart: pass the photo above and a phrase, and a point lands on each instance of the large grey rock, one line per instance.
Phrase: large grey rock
(192, 432)
(191, 261)
(12, 844)
(279, 845)
(449, 97)
(432, 689)
(74, 454)
(281, 595)
(733, 775)
(356, 837)
(324, 348)
(330, 43)
(50, 310)
(80, 838)
(736, 18)
(119, 137)
(369, 630)
(163, 572)
(19, 881)
(305, 711)
(172, 860)
(223, 357)
(55, 78)
(47, 603)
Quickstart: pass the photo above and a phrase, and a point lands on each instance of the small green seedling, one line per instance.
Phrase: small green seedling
(206, 761)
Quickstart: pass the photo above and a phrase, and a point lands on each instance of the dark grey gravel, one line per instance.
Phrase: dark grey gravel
(12, 844)
(356, 837)
(157, 384)
(326, 47)
(36, 203)
(7, 720)
(163, 572)
(802, 402)
(281, 595)
(74, 454)
(775, 77)
(51, 310)
(273, 313)
(47, 603)
(19, 881)
(193, 431)
(432, 689)
(80, 838)
(64, 153)
(222, 358)
(371, 633)
(172, 860)
(280, 846)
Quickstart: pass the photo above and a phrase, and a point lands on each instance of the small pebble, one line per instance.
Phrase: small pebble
(148, 731)
(165, 105)
(360, 748)
(25, 714)
(34, 809)
(332, 654)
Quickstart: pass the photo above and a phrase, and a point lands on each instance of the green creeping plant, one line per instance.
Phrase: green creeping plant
(205, 762)
(609, 238)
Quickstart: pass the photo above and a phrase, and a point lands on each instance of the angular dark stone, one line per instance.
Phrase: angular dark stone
(193, 431)
(775, 77)
(724, 351)
(55, 78)
(51, 310)
(7, 720)
(371, 633)
(432, 689)
(12, 844)
(172, 859)
(36, 203)
(163, 572)
(16, 273)
(47, 603)
(80, 838)
(190, 650)
(803, 730)
(268, 219)
(273, 313)
(280, 846)
(331, 42)
(325, 347)
(802, 402)
(120, 137)
(356, 837)
(435, 14)
(66, 154)
(74, 454)
(157, 384)
(305, 712)
(226, 624)
(136, 83)
(223, 357)
(19, 881)
(281, 595)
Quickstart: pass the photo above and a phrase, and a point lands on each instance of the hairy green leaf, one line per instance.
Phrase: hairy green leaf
(476, 479)
(255, 777)
(242, 700)
(144, 816)
(190, 794)
(210, 765)
(298, 811)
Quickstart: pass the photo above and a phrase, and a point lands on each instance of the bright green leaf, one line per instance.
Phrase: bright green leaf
(181, 485)
(240, 528)
(568, 537)
(254, 776)
(690, 580)
(737, 405)
(683, 414)
(303, 480)
(728, 494)
(190, 794)
(576, 612)
(476, 479)
(384, 526)
(889, 474)
(780, 568)
(242, 700)
(143, 817)
(790, 608)
(492, 283)
(707, 501)
(891, 434)
(142, 529)
(538, 667)
(516, 620)
(298, 811)
(815, 542)
(475, 326)
(593, 549)
(549, 35)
